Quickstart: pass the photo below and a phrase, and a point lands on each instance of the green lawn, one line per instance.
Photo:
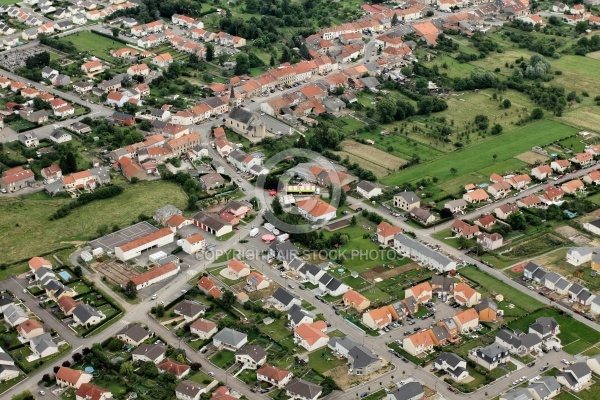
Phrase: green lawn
(323, 360)
(8, 3)
(478, 157)
(523, 304)
(223, 359)
(228, 255)
(360, 254)
(25, 230)
(100, 46)
(574, 335)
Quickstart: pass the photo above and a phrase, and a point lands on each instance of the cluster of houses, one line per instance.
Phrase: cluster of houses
(77, 182)
(573, 292)
(237, 269)
(76, 13)
(157, 33)
(59, 108)
(43, 276)
(503, 186)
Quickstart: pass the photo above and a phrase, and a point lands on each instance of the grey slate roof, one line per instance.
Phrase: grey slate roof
(238, 155)
(241, 115)
(284, 251)
(579, 369)
(229, 337)
(135, 332)
(491, 351)
(446, 283)
(544, 386)
(409, 391)
(297, 314)
(562, 284)
(304, 389)
(410, 197)
(552, 277)
(84, 312)
(517, 394)
(4, 367)
(5, 300)
(43, 342)
(509, 338)
(310, 269)
(422, 249)
(296, 263)
(5, 358)
(361, 357)
(189, 308)
(256, 353)
(189, 388)
(449, 358)
(346, 342)
(531, 267)
(486, 303)
(283, 296)
(576, 288)
(152, 351)
(366, 186)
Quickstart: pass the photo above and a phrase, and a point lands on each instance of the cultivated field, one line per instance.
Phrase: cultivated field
(479, 158)
(595, 55)
(25, 230)
(383, 161)
(531, 157)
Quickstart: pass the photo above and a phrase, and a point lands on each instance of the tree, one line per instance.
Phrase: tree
(506, 103)
(115, 32)
(148, 369)
(482, 122)
(195, 366)
(304, 52)
(210, 52)
(453, 171)
(386, 109)
(130, 290)
(496, 130)
(40, 104)
(126, 369)
(276, 206)
(145, 125)
(242, 64)
(582, 26)
(395, 20)
(68, 163)
(114, 344)
(55, 368)
(78, 271)
(160, 311)
(272, 60)
(286, 55)
(516, 221)
(46, 378)
(77, 357)
(446, 213)
(353, 220)
(537, 113)
(66, 363)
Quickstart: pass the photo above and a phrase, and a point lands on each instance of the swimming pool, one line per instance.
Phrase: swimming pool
(65, 275)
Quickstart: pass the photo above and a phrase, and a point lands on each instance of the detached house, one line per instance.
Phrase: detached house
(466, 295)
(71, 377)
(251, 356)
(407, 200)
(230, 339)
(463, 229)
(418, 343)
(149, 352)
(133, 334)
(455, 366)
(386, 233)
(203, 328)
(490, 357)
(423, 292)
(487, 310)
(476, 196)
(273, 375)
(176, 368)
(311, 336)
(560, 166)
(356, 300)
(575, 376)
(583, 159)
(466, 320)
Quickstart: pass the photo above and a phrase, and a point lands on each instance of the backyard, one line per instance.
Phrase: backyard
(522, 304)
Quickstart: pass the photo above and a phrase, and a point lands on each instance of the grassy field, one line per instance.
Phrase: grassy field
(571, 330)
(25, 230)
(323, 360)
(579, 73)
(360, 254)
(100, 46)
(476, 158)
(523, 304)
(223, 359)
